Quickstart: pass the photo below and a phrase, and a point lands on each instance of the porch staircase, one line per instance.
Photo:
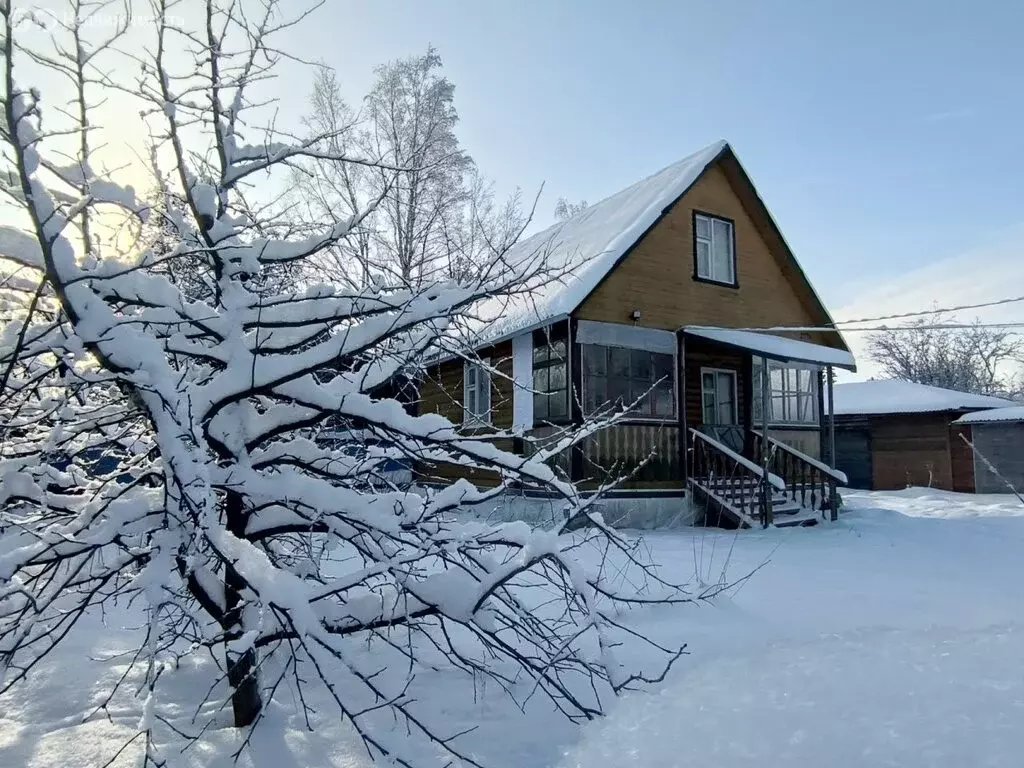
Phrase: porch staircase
(736, 491)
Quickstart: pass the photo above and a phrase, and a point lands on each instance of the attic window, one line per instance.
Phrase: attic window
(714, 249)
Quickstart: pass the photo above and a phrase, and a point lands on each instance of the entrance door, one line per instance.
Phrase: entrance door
(853, 456)
(719, 407)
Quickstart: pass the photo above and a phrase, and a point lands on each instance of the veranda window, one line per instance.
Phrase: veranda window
(477, 392)
(622, 376)
(550, 381)
(792, 394)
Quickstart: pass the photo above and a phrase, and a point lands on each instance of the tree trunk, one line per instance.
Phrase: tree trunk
(246, 702)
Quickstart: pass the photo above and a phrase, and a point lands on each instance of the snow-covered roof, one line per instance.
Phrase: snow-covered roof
(589, 245)
(776, 347)
(1013, 413)
(893, 396)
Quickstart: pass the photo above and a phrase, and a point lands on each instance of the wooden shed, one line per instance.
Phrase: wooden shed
(895, 434)
(998, 438)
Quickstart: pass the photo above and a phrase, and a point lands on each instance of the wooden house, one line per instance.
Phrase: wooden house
(655, 287)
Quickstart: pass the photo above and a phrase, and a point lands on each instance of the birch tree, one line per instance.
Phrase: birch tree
(197, 450)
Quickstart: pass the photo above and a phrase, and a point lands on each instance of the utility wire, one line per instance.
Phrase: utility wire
(936, 311)
(840, 325)
(830, 329)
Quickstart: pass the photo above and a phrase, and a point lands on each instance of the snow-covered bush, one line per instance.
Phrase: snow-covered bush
(167, 386)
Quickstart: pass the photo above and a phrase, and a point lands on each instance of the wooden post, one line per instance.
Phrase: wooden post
(574, 375)
(684, 433)
(833, 497)
(766, 489)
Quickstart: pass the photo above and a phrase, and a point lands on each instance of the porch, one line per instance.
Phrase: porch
(750, 448)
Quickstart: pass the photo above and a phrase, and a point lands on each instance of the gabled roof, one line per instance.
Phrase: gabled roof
(587, 247)
(893, 396)
(590, 245)
(1012, 413)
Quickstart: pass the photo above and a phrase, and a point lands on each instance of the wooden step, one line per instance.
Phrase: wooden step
(806, 517)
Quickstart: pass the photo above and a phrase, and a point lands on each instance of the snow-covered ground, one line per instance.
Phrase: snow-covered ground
(893, 637)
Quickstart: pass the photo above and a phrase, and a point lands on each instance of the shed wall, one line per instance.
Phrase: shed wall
(911, 449)
(1002, 443)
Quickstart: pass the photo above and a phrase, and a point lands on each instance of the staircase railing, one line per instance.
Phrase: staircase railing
(734, 482)
(809, 482)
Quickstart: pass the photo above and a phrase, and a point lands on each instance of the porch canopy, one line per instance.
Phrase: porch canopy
(774, 347)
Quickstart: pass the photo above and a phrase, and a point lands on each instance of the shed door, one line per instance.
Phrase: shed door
(853, 456)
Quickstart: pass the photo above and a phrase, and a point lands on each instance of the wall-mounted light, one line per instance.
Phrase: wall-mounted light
(636, 315)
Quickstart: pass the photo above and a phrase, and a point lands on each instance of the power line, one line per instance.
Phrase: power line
(935, 311)
(829, 328)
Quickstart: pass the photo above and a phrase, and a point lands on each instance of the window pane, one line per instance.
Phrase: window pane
(637, 390)
(618, 364)
(726, 399)
(807, 413)
(662, 366)
(556, 377)
(558, 407)
(664, 401)
(778, 412)
(703, 227)
(595, 359)
(640, 365)
(704, 259)
(792, 406)
(540, 406)
(722, 251)
(725, 388)
(558, 350)
(709, 407)
(540, 352)
(596, 394)
(540, 379)
(618, 390)
(483, 394)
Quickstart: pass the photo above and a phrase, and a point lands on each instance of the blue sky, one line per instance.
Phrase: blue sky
(885, 137)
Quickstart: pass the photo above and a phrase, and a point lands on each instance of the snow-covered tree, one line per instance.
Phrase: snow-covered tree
(213, 448)
(564, 209)
(429, 190)
(936, 351)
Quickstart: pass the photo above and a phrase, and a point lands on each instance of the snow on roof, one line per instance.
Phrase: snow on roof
(776, 347)
(587, 246)
(1013, 413)
(893, 396)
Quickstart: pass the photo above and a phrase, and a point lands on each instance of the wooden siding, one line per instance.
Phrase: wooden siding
(961, 458)
(911, 449)
(621, 448)
(441, 392)
(657, 276)
(1002, 443)
(804, 440)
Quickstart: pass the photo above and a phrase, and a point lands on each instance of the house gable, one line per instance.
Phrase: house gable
(657, 275)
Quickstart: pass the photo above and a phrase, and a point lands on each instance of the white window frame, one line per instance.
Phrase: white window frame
(710, 241)
(785, 392)
(735, 394)
(475, 412)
